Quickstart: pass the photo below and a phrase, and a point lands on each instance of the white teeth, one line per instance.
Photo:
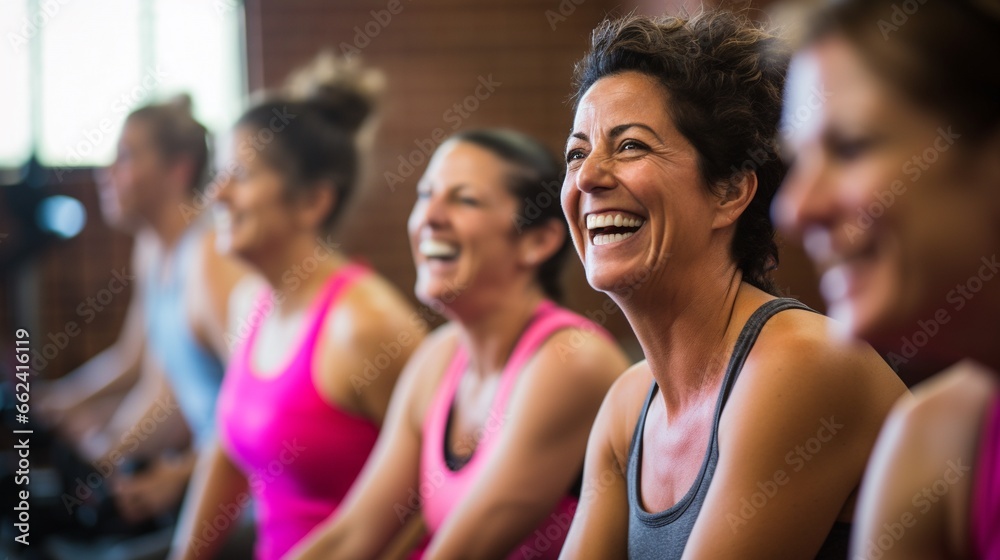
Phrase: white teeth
(437, 249)
(607, 238)
(595, 221)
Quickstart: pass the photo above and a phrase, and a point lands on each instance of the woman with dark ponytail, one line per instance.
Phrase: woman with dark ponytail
(300, 408)
(486, 432)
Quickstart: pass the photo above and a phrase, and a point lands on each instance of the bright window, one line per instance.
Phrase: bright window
(78, 67)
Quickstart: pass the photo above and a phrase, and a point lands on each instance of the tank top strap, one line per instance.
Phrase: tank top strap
(335, 286)
(747, 339)
(548, 319)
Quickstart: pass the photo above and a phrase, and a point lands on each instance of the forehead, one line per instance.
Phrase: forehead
(828, 82)
(624, 97)
(460, 161)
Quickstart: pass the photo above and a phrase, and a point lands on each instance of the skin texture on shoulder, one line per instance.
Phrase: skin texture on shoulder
(816, 408)
(370, 333)
(915, 499)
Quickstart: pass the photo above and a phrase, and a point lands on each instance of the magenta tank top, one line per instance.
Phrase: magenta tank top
(299, 453)
(441, 487)
(985, 519)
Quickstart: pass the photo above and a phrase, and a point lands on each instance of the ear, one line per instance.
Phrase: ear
(740, 190)
(315, 204)
(538, 243)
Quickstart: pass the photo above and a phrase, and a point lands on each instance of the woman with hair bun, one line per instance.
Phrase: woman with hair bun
(298, 413)
(745, 431)
(486, 432)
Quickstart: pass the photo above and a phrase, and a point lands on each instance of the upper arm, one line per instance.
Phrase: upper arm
(386, 491)
(371, 339)
(600, 526)
(793, 441)
(540, 450)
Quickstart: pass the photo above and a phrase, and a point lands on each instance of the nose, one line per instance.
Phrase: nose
(594, 173)
(807, 198)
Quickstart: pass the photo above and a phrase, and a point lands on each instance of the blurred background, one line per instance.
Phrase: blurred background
(72, 71)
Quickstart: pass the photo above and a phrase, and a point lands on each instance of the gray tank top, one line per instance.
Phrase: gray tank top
(663, 535)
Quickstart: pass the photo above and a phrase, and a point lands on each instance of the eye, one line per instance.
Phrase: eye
(851, 149)
(468, 201)
(574, 155)
(632, 145)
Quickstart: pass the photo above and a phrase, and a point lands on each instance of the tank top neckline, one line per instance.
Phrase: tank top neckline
(455, 372)
(312, 323)
(744, 343)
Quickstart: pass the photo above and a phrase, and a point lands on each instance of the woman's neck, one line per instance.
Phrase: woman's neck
(490, 333)
(299, 270)
(685, 327)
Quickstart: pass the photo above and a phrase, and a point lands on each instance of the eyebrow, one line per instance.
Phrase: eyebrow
(618, 131)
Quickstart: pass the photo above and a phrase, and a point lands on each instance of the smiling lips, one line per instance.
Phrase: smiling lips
(612, 227)
(434, 249)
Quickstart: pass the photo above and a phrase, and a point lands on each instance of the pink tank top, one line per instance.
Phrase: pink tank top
(441, 487)
(985, 519)
(300, 454)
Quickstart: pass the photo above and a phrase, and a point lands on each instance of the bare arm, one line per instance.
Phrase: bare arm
(113, 370)
(217, 487)
(540, 451)
(600, 526)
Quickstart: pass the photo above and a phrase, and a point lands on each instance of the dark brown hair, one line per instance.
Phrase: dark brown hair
(535, 182)
(177, 135)
(320, 114)
(724, 76)
(935, 53)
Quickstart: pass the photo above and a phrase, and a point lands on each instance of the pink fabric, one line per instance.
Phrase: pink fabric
(299, 453)
(985, 519)
(441, 488)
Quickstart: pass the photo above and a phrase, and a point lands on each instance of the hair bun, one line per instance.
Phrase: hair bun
(181, 102)
(340, 89)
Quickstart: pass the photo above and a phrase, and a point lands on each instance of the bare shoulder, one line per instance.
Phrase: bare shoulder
(622, 407)
(377, 313)
(802, 351)
(578, 363)
(953, 402)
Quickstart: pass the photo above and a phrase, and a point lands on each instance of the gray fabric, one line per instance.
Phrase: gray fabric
(663, 535)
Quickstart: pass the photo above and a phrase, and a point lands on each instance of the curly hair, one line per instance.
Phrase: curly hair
(725, 77)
